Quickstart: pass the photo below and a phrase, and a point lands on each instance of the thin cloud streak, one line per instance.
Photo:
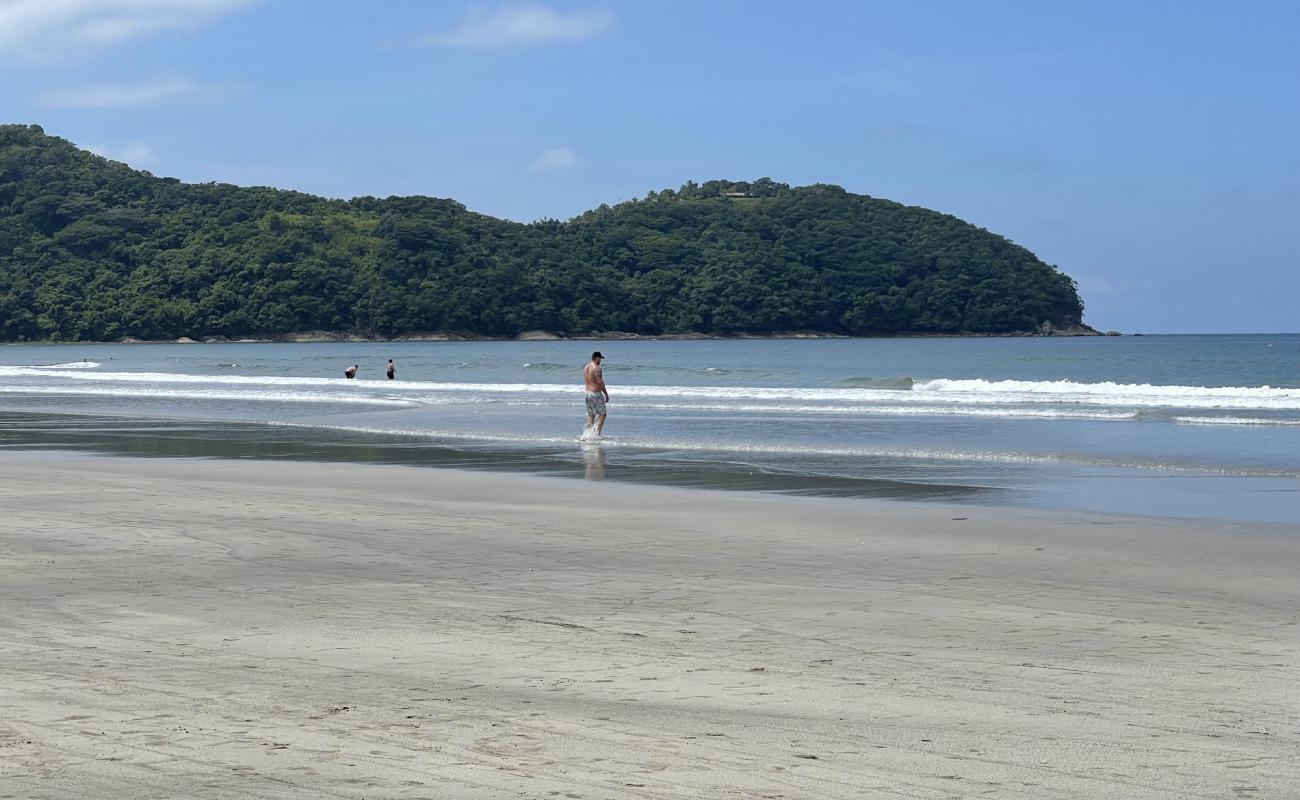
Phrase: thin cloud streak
(524, 25)
(55, 30)
(557, 158)
(135, 154)
(117, 95)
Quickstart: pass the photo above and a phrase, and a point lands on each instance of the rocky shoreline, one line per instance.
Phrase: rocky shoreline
(546, 336)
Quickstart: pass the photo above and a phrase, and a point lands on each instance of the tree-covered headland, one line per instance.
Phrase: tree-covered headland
(91, 249)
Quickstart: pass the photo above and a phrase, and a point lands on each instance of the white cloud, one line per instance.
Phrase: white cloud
(52, 30)
(124, 95)
(525, 25)
(136, 154)
(557, 158)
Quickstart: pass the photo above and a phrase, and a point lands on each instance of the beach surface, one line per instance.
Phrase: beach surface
(235, 629)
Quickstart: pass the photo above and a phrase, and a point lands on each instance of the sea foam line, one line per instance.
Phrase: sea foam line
(201, 394)
(72, 365)
(900, 410)
(1260, 421)
(1110, 393)
(945, 391)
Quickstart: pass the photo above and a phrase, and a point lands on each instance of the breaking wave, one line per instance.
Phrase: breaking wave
(1260, 421)
(871, 395)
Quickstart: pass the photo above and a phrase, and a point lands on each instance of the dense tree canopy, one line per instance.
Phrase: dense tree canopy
(91, 249)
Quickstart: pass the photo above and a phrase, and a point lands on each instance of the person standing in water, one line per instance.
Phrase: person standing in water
(350, 372)
(593, 379)
(392, 370)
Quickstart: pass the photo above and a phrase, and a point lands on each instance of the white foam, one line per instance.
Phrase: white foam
(1108, 393)
(941, 392)
(206, 394)
(181, 377)
(1236, 421)
(899, 410)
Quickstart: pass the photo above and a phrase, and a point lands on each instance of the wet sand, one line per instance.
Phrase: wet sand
(234, 629)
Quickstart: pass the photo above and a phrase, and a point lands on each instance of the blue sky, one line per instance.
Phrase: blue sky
(1147, 149)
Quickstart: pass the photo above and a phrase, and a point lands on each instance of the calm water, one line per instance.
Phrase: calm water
(1202, 426)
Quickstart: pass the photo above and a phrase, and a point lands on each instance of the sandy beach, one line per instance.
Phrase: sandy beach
(232, 629)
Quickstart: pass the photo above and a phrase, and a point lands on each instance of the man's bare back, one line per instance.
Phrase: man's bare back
(593, 379)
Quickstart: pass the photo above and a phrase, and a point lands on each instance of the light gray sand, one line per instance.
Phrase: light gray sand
(252, 629)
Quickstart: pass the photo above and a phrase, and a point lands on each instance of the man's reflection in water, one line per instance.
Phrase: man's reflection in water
(593, 458)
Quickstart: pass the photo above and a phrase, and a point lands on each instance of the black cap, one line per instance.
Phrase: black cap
(597, 354)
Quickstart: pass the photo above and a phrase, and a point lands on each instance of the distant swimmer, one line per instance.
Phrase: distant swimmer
(597, 396)
(392, 370)
(350, 372)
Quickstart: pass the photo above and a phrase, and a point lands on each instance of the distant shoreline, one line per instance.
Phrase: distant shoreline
(307, 337)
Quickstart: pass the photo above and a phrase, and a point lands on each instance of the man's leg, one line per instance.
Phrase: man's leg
(600, 426)
(591, 420)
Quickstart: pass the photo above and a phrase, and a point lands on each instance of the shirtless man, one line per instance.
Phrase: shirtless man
(350, 372)
(597, 395)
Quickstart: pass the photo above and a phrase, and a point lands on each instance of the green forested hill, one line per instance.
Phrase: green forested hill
(91, 249)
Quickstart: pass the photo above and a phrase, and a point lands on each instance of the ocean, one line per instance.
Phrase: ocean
(1193, 426)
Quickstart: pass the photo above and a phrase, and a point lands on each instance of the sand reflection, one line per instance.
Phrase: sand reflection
(593, 460)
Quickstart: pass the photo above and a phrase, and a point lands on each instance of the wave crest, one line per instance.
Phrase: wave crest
(1110, 393)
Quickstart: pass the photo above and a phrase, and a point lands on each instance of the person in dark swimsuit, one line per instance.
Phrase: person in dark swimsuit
(392, 370)
(350, 372)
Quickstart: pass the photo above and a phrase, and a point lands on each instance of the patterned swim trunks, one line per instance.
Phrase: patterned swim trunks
(595, 404)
